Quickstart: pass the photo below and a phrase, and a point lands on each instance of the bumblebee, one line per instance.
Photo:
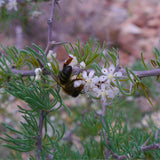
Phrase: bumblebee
(65, 81)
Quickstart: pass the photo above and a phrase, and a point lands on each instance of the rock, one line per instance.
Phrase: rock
(131, 29)
(149, 32)
(139, 19)
(154, 23)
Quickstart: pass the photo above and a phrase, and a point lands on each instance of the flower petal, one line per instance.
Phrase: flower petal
(102, 78)
(77, 83)
(103, 86)
(84, 74)
(111, 68)
(91, 74)
(104, 71)
(95, 79)
(82, 65)
(118, 74)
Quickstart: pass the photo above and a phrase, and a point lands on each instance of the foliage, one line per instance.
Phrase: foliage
(19, 10)
(82, 134)
(105, 122)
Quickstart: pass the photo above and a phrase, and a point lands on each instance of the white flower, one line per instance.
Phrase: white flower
(112, 92)
(49, 65)
(110, 73)
(38, 77)
(77, 83)
(82, 65)
(95, 80)
(50, 54)
(52, 118)
(36, 14)
(74, 61)
(89, 77)
(130, 98)
(1, 3)
(105, 93)
(102, 78)
(104, 71)
(89, 83)
(37, 73)
(101, 92)
(12, 4)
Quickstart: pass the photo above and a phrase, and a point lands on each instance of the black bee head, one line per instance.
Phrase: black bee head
(67, 70)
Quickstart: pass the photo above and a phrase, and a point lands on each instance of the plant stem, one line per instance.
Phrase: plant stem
(39, 138)
(42, 113)
(140, 74)
(155, 146)
(50, 24)
(104, 132)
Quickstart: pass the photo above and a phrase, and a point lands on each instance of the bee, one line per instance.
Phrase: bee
(65, 81)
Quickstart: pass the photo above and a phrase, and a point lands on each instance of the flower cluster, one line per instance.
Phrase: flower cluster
(11, 4)
(50, 54)
(37, 73)
(1, 3)
(101, 87)
(104, 86)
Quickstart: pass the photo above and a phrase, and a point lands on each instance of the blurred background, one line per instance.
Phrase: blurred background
(131, 26)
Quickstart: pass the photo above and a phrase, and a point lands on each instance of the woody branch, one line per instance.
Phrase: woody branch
(42, 112)
(140, 74)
